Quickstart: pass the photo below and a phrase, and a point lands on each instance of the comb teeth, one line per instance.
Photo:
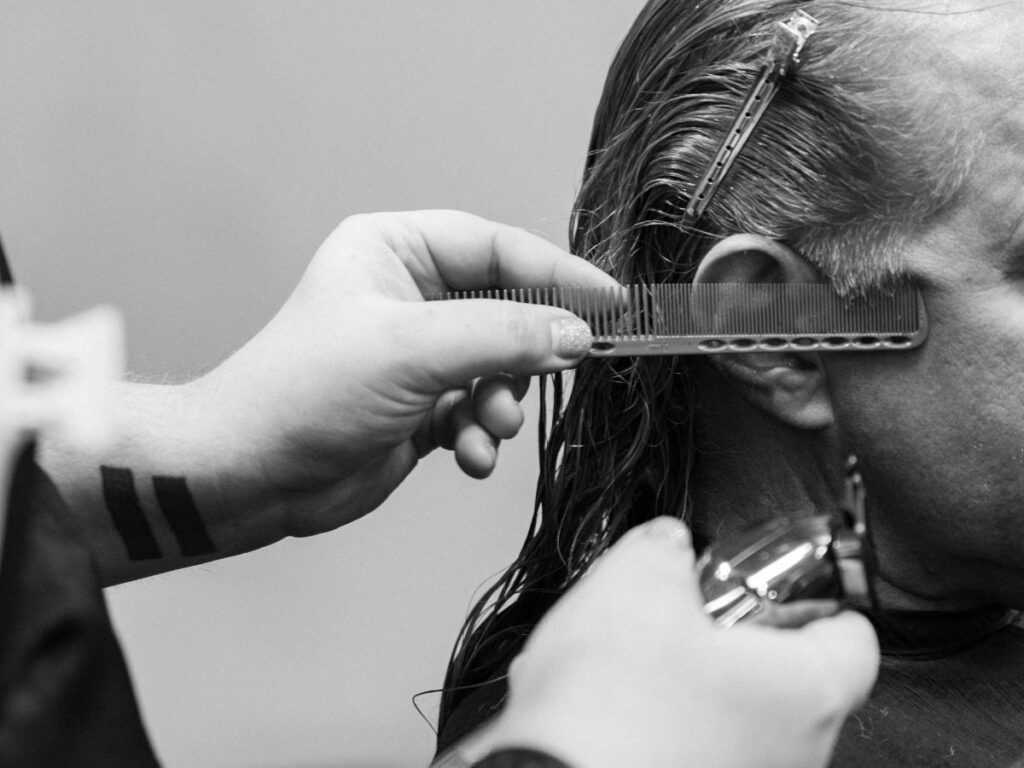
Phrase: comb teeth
(683, 319)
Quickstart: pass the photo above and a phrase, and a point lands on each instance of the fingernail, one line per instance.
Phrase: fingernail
(668, 528)
(572, 338)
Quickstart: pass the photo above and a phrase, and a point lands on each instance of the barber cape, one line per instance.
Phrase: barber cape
(65, 695)
(950, 692)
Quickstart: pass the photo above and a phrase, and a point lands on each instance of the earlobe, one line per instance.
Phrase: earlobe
(789, 385)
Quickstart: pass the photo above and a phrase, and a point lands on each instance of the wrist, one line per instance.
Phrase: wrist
(218, 447)
(175, 488)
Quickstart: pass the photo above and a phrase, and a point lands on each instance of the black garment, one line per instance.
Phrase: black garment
(65, 695)
(950, 692)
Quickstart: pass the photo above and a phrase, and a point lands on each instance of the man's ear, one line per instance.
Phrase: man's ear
(789, 385)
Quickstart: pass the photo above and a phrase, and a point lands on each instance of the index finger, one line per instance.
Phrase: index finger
(452, 250)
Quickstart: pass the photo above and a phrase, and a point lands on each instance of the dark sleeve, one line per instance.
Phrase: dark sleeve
(65, 696)
(519, 758)
(6, 278)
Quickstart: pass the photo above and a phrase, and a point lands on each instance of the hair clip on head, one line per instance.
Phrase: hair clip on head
(783, 59)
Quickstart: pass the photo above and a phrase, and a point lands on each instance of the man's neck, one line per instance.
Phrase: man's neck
(753, 467)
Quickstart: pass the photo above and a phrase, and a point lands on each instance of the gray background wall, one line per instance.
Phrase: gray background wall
(183, 160)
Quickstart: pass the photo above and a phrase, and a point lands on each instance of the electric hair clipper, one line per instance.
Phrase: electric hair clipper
(785, 560)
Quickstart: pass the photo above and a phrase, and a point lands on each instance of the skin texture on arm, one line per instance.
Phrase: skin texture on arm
(321, 415)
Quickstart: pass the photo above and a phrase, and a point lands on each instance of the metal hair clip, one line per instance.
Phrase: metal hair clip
(783, 59)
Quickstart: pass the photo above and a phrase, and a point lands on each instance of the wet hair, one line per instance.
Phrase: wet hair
(849, 161)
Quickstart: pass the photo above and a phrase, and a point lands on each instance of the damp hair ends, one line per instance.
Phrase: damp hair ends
(842, 167)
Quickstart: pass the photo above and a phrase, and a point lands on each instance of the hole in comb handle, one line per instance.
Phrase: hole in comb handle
(899, 341)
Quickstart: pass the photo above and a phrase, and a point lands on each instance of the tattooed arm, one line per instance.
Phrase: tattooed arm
(324, 412)
(174, 490)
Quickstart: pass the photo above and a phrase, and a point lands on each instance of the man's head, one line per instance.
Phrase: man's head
(850, 158)
(942, 429)
(897, 152)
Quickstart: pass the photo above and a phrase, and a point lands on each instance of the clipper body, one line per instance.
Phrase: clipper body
(784, 560)
(778, 562)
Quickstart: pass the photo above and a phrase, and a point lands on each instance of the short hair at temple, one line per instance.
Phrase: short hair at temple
(852, 157)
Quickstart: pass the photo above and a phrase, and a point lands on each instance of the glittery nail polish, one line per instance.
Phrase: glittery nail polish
(572, 338)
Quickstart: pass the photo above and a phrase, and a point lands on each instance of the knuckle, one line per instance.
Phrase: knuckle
(359, 222)
(521, 332)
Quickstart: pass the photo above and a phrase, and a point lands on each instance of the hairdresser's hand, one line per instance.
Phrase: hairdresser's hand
(626, 670)
(357, 377)
(323, 413)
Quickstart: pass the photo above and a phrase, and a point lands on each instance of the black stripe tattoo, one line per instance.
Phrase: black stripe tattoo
(176, 502)
(126, 512)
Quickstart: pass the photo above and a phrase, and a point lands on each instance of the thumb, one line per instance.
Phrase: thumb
(657, 555)
(850, 647)
(455, 341)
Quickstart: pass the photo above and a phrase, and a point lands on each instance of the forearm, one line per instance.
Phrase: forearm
(176, 487)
